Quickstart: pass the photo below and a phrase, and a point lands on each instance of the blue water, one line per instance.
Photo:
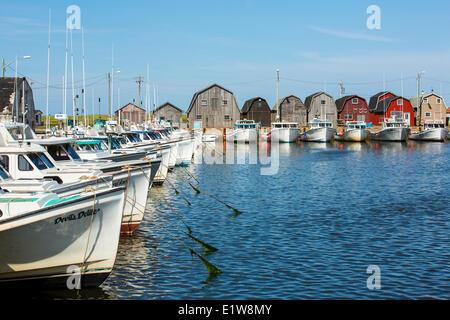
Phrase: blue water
(308, 232)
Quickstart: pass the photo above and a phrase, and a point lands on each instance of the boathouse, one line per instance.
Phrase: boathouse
(352, 108)
(170, 113)
(447, 121)
(130, 114)
(290, 109)
(429, 107)
(258, 110)
(11, 103)
(387, 105)
(213, 107)
(321, 105)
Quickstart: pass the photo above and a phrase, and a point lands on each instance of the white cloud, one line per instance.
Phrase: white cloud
(350, 35)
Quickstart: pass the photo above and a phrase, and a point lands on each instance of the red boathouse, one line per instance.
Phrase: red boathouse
(353, 108)
(387, 105)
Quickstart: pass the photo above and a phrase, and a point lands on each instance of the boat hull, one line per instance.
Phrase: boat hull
(243, 136)
(286, 135)
(173, 155)
(353, 135)
(185, 151)
(435, 134)
(137, 183)
(163, 169)
(391, 134)
(45, 247)
(318, 135)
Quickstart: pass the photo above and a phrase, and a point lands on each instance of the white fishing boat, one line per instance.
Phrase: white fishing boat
(391, 130)
(319, 131)
(46, 239)
(245, 131)
(62, 164)
(355, 131)
(284, 132)
(430, 131)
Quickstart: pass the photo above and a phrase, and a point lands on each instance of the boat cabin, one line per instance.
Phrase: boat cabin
(316, 123)
(356, 125)
(245, 124)
(285, 125)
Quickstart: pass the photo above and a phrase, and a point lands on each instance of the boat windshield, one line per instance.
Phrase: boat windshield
(3, 173)
(71, 152)
(46, 160)
(38, 162)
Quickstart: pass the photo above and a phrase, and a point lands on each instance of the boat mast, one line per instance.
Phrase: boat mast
(83, 92)
(73, 82)
(65, 79)
(47, 125)
(278, 94)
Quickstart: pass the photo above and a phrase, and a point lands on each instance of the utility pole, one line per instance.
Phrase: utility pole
(419, 75)
(109, 96)
(278, 94)
(342, 89)
(3, 67)
(139, 82)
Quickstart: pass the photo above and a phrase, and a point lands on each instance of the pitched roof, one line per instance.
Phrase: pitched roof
(310, 98)
(414, 99)
(281, 100)
(168, 104)
(132, 104)
(340, 103)
(374, 100)
(203, 90)
(383, 105)
(249, 103)
(7, 85)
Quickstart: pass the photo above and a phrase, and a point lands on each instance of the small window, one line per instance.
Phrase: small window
(204, 102)
(38, 162)
(400, 102)
(199, 117)
(4, 162)
(162, 118)
(428, 114)
(323, 102)
(349, 116)
(425, 100)
(23, 164)
(224, 102)
(438, 101)
(259, 104)
(227, 117)
(355, 100)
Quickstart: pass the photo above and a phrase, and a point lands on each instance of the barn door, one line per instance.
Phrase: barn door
(407, 119)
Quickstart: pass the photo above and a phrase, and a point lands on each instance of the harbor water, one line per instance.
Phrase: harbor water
(310, 231)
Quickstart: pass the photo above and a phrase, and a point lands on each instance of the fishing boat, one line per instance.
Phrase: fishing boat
(430, 131)
(284, 132)
(47, 239)
(354, 131)
(245, 131)
(391, 130)
(319, 131)
(32, 161)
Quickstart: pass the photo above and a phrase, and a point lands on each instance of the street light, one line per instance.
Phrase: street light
(4, 66)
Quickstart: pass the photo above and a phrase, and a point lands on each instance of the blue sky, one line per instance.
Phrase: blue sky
(189, 45)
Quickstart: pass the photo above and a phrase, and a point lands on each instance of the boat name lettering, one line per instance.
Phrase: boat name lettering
(80, 215)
